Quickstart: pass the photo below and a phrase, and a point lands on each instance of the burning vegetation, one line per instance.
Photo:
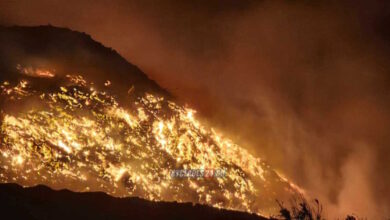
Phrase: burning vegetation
(81, 138)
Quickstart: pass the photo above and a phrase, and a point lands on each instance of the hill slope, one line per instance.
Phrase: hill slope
(76, 115)
(67, 51)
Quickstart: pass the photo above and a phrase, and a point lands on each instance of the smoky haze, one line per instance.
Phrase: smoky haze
(303, 85)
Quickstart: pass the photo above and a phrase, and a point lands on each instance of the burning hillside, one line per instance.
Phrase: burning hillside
(66, 130)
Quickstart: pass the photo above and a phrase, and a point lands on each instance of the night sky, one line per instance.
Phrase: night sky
(303, 84)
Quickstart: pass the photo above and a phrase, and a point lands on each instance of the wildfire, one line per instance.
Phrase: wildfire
(83, 139)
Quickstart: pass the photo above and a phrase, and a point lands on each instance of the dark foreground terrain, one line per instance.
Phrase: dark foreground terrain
(41, 202)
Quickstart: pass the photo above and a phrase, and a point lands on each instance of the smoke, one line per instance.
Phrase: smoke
(302, 84)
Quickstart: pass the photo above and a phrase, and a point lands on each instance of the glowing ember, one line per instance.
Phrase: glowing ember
(35, 72)
(83, 139)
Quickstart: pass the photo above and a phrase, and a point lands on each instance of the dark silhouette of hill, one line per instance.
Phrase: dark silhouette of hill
(66, 52)
(41, 202)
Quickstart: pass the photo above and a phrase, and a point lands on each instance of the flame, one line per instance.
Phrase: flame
(83, 139)
(35, 72)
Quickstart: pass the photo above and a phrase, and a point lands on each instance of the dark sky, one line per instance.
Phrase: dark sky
(303, 84)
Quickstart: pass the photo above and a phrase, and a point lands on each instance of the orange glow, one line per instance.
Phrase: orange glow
(84, 140)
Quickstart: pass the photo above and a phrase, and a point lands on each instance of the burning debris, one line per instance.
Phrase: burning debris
(35, 72)
(83, 139)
